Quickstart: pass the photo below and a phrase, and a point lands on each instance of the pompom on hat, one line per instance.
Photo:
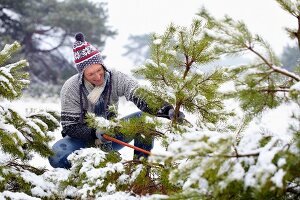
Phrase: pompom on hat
(85, 54)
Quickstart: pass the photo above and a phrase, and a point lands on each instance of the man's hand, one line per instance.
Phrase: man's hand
(100, 139)
(105, 145)
(180, 117)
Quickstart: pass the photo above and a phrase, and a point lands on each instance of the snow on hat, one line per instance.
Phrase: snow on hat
(85, 54)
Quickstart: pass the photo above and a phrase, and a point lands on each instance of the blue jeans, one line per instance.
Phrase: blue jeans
(67, 145)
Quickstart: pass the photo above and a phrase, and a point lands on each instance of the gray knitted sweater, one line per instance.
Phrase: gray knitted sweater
(74, 106)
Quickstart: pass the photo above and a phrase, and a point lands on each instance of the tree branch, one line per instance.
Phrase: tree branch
(25, 167)
(275, 90)
(298, 31)
(163, 78)
(276, 69)
(234, 156)
(54, 48)
(42, 31)
(188, 65)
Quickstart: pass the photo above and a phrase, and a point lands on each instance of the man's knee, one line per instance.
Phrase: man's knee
(62, 149)
(58, 161)
(133, 115)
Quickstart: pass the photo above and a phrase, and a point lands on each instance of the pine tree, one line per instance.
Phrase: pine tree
(176, 76)
(20, 136)
(95, 173)
(258, 87)
(226, 154)
(291, 7)
(251, 162)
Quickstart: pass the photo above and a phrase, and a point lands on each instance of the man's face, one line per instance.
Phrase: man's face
(94, 74)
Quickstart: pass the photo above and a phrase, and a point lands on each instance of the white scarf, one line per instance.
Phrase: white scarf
(94, 91)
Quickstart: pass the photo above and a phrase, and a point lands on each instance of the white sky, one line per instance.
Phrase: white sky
(135, 17)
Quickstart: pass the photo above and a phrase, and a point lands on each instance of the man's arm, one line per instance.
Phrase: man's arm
(70, 113)
(77, 129)
(131, 90)
(80, 131)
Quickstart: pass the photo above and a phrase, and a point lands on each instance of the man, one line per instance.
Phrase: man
(94, 89)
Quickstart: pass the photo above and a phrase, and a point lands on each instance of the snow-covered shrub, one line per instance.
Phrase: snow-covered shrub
(20, 135)
(96, 174)
(250, 152)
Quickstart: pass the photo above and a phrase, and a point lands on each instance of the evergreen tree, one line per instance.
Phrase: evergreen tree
(95, 173)
(251, 162)
(175, 74)
(226, 154)
(20, 136)
(291, 7)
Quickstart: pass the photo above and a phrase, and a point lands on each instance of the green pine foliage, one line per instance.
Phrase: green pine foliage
(252, 162)
(212, 167)
(175, 72)
(95, 173)
(13, 80)
(144, 126)
(20, 136)
(263, 84)
(291, 7)
(226, 154)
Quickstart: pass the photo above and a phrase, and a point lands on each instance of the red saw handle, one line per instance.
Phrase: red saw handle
(125, 144)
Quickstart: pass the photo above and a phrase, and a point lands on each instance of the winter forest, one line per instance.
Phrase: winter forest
(240, 138)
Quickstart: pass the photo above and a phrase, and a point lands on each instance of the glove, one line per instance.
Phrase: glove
(104, 144)
(99, 135)
(163, 112)
(180, 117)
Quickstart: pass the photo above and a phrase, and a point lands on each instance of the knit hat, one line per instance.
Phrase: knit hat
(85, 54)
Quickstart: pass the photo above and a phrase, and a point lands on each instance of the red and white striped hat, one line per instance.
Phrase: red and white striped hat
(85, 54)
